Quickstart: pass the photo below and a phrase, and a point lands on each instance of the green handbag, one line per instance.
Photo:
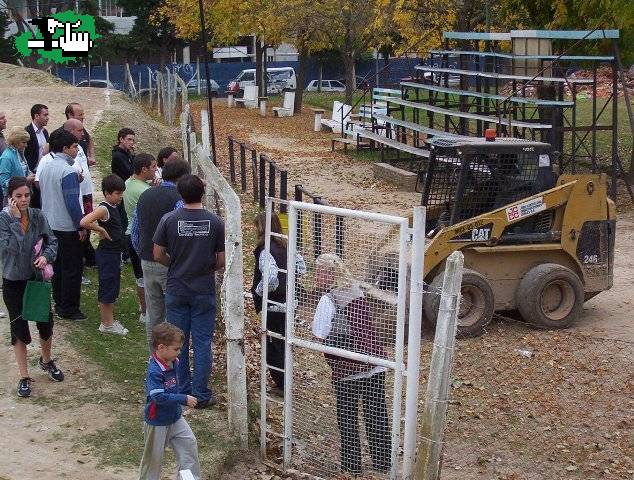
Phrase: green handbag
(36, 303)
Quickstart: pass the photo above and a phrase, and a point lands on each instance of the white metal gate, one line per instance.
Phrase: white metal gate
(345, 360)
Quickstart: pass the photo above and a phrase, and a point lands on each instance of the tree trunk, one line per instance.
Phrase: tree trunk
(301, 81)
(162, 55)
(385, 73)
(348, 65)
(259, 57)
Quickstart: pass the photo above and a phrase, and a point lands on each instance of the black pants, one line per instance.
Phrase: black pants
(68, 268)
(124, 225)
(88, 252)
(276, 322)
(13, 293)
(371, 391)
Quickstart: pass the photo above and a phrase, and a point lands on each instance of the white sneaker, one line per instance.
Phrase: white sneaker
(85, 281)
(2, 314)
(142, 318)
(116, 328)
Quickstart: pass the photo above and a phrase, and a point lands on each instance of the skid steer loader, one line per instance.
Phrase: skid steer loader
(532, 241)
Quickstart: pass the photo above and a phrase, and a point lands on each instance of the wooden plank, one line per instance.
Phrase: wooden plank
(391, 91)
(349, 141)
(566, 34)
(419, 152)
(524, 57)
(488, 36)
(418, 128)
(549, 34)
(503, 76)
(472, 116)
(491, 96)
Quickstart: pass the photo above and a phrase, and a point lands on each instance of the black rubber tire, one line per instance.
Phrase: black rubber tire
(550, 296)
(475, 289)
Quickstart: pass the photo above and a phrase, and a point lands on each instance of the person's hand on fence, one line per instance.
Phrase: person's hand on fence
(191, 401)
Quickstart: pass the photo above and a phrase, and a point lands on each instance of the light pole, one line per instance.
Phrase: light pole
(207, 78)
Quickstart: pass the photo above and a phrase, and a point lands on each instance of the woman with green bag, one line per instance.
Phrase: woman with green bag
(21, 228)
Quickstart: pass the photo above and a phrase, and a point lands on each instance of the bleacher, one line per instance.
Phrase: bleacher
(520, 95)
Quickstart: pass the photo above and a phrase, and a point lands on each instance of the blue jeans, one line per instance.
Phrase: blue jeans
(195, 315)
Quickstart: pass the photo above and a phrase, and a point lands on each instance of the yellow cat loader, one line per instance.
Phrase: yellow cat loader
(532, 241)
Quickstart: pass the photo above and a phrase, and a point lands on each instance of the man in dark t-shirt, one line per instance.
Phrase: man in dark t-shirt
(190, 241)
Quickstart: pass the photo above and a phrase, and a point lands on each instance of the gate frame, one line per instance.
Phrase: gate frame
(417, 236)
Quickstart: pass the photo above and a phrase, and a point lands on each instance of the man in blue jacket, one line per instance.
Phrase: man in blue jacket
(164, 422)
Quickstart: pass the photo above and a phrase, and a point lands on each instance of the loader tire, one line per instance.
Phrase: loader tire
(476, 303)
(550, 296)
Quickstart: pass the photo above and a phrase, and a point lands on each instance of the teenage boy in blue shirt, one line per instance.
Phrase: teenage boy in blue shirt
(164, 422)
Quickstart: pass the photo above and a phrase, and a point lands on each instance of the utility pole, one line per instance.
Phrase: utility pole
(212, 133)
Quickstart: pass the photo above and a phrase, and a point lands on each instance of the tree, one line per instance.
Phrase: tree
(226, 21)
(7, 50)
(151, 29)
(350, 27)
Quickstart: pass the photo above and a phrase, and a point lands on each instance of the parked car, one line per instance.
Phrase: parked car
(279, 79)
(326, 86)
(96, 84)
(192, 86)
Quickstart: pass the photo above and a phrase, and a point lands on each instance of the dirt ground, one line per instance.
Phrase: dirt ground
(566, 412)
(42, 434)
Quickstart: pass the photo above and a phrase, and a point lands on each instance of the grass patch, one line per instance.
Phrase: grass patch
(121, 364)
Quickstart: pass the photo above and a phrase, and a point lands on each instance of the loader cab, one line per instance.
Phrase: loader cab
(465, 179)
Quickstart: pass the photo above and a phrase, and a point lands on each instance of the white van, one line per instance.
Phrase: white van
(279, 79)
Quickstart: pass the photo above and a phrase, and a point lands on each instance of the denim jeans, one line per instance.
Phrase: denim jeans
(155, 280)
(196, 316)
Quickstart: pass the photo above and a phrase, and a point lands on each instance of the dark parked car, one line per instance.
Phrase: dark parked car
(95, 84)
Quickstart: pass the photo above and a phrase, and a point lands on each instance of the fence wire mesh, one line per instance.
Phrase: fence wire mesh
(343, 408)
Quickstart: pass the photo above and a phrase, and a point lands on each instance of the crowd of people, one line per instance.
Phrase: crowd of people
(152, 216)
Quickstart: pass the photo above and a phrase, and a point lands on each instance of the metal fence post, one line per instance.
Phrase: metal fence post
(254, 173)
(434, 415)
(232, 165)
(243, 168)
(262, 179)
(288, 347)
(414, 341)
(283, 190)
(272, 178)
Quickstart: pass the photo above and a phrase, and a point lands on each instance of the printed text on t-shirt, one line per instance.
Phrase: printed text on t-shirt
(193, 228)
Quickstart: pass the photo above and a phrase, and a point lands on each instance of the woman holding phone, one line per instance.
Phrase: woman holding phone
(28, 246)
